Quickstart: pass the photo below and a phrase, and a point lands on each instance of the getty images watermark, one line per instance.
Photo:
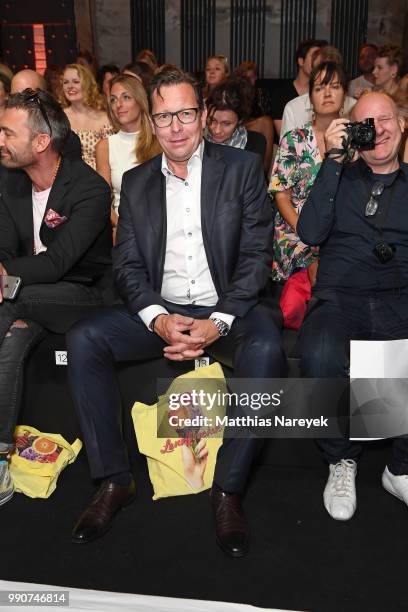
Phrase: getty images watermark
(267, 408)
(197, 399)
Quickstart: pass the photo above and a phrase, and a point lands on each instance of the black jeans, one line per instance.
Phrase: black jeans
(53, 307)
(325, 348)
(253, 348)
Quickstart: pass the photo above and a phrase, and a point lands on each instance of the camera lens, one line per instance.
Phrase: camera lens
(365, 134)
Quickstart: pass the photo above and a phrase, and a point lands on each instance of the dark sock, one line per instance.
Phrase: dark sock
(216, 489)
(395, 472)
(121, 478)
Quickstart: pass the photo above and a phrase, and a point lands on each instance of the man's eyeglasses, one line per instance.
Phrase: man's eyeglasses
(372, 204)
(33, 96)
(186, 115)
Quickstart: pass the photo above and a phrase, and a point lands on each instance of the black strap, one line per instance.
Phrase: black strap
(334, 153)
(379, 223)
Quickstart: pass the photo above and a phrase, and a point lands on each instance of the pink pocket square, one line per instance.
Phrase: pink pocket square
(53, 219)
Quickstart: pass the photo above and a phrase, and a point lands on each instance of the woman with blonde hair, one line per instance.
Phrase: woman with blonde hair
(387, 69)
(85, 109)
(216, 71)
(134, 142)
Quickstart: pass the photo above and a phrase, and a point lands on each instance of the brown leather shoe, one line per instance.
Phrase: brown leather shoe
(231, 527)
(98, 517)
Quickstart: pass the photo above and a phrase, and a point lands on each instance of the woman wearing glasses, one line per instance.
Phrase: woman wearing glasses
(134, 142)
(228, 106)
(85, 109)
(300, 154)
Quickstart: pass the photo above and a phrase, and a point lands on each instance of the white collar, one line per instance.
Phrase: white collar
(198, 154)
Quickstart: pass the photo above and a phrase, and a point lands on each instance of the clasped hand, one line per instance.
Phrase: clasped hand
(186, 338)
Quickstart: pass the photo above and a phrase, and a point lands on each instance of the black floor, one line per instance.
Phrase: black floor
(300, 559)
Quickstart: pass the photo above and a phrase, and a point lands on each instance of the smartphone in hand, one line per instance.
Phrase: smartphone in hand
(9, 286)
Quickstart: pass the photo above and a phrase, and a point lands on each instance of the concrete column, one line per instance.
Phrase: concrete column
(386, 21)
(85, 24)
(113, 43)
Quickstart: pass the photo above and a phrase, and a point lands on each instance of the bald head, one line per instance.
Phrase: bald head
(373, 100)
(389, 127)
(27, 79)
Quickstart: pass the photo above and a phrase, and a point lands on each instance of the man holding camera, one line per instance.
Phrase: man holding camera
(357, 213)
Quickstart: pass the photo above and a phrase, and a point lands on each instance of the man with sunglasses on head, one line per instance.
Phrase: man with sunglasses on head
(193, 253)
(54, 236)
(357, 214)
(30, 79)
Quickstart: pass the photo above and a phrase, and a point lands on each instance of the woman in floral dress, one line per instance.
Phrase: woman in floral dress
(297, 163)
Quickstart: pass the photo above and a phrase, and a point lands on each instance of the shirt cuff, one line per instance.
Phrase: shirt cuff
(329, 177)
(227, 318)
(332, 169)
(151, 312)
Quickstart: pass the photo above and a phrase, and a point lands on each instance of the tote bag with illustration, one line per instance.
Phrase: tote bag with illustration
(38, 460)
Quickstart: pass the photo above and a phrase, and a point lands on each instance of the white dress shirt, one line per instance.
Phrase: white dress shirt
(300, 111)
(186, 276)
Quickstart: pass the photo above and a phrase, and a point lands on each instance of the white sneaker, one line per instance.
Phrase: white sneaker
(6, 484)
(396, 485)
(340, 493)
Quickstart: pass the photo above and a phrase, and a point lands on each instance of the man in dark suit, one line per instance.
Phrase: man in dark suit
(54, 236)
(194, 251)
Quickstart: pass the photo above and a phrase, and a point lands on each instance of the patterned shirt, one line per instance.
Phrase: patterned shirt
(89, 139)
(296, 165)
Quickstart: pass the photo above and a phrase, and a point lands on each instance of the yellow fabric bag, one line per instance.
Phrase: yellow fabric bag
(38, 460)
(183, 461)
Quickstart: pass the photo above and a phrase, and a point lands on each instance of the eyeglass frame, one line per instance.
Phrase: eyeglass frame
(372, 204)
(33, 96)
(176, 114)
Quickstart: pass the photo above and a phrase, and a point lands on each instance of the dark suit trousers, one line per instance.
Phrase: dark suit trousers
(253, 348)
(54, 307)
(325, 345)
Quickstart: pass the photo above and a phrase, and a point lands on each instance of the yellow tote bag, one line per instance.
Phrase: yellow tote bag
(38, 460)
(182, 462)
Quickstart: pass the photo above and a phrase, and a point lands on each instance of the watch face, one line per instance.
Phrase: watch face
(223, 328)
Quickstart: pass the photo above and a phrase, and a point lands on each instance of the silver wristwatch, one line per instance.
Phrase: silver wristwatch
(223, 328)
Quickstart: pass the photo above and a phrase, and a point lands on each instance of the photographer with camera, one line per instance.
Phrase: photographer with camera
(357, 214)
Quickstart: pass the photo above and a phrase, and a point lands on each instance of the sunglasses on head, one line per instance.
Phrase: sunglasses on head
(34, 96)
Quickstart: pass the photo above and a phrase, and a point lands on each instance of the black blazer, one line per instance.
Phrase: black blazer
(80, 245)
(237, 226)
(256, 143)
(73, 147)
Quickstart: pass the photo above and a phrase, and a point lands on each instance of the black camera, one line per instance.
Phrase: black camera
(361, 135)
(384, 252)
